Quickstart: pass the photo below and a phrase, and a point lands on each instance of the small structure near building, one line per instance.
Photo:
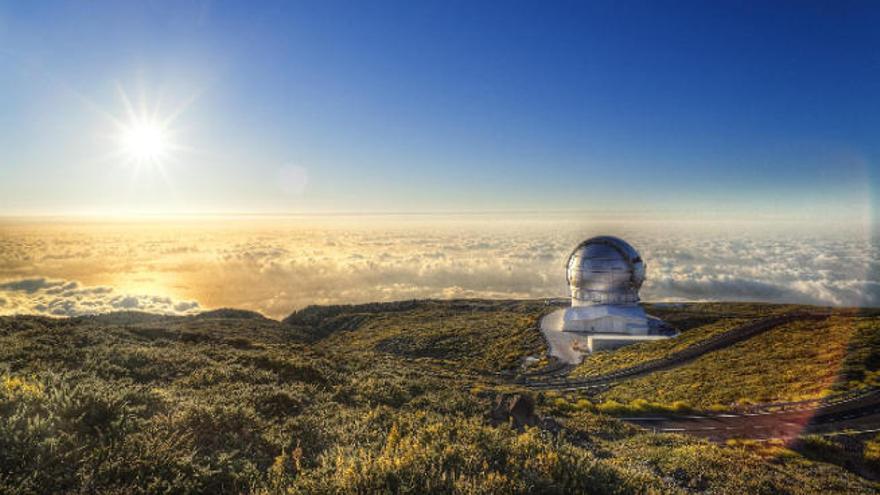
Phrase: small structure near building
(604, 276)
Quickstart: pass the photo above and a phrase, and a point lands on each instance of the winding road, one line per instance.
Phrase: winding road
(855, 412)
(550, 381)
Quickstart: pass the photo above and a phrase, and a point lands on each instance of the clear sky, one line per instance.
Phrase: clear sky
(756, 108)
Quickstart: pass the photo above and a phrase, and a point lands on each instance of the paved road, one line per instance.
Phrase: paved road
(859, 413)
(684, 356)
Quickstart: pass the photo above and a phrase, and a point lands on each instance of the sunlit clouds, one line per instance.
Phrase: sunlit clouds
(276, 266)
(68, 298)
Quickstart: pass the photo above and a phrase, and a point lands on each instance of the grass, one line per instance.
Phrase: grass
(361, 399)
(603, 362)
(475, 335)
(797, 361)
(696, 322)
(563, 405)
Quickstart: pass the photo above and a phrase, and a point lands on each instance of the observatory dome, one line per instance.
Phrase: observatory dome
(605, 270)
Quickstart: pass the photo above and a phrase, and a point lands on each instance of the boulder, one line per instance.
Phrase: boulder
(518, 410)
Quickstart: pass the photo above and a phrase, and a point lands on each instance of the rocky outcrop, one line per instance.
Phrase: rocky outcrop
(518, 411)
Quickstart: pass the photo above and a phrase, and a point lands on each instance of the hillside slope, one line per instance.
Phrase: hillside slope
(371, 398)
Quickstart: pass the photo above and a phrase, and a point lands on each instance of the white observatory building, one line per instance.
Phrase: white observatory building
(604, 276)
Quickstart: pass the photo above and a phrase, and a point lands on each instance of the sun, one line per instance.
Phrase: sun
(145, 136)
(145, 141)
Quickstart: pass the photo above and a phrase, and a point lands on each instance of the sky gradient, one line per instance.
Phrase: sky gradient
(268, 156)
(729, 109)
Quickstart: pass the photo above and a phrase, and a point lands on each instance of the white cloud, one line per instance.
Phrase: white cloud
(277, 267)
(69, 298)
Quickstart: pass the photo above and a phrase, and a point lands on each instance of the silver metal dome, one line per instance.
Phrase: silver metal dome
(605, 270)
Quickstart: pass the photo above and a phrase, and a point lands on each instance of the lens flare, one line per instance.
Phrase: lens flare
(144, 142)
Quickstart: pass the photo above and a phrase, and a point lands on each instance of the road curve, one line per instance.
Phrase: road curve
(679, 358)
(857, 414)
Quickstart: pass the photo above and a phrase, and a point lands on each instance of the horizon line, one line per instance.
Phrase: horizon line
(606, 214)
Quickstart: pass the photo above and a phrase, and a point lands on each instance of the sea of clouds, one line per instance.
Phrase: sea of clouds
(275, 267)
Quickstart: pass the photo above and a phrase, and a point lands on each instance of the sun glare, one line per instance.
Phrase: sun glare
(145, 137)
(145, 142)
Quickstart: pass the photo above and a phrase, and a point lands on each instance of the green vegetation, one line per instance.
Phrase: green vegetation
(797, 361)
(861, 366)
(462, 334)
(603, 362)
(696, 322)
(359, 399)
(557, 403)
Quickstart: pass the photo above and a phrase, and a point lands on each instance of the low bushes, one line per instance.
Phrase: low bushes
(125, 404)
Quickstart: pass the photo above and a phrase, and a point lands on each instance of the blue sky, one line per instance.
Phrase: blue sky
(750, 109)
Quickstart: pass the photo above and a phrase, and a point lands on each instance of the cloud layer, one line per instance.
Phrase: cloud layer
(68, 298)
(277, 267)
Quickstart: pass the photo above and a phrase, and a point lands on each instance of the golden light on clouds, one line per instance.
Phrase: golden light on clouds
(276, 265)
